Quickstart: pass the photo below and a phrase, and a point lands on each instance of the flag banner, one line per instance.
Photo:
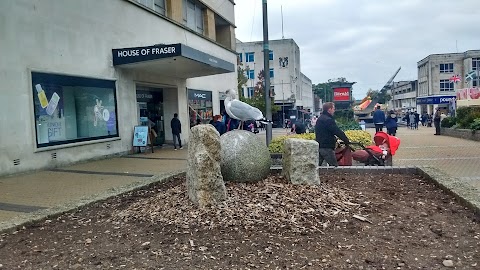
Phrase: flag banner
(471, 75)
(455, 78)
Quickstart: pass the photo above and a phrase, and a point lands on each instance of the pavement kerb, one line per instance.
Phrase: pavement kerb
(463, 192)
(50, 213)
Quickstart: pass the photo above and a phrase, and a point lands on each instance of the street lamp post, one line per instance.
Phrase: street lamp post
(283, 106)
(266, 68)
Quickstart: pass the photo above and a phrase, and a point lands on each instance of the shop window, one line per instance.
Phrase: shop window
(200, 106)
(70, 109)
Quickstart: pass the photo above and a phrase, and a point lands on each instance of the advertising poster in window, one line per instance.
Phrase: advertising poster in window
(72, 109)
(200, 106)
(49, 112)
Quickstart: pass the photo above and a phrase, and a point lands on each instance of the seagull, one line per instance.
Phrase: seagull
(242, 111)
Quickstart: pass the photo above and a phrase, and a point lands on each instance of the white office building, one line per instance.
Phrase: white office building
(293, 89)
(78, 76)
(441, 75)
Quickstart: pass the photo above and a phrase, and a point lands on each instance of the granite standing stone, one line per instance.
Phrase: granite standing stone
(300, 161)
(245, 157)
(205, 183)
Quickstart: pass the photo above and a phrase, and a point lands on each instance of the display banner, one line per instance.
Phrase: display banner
(341, 94)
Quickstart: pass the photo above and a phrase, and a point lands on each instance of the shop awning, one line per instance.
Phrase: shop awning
(173, 60)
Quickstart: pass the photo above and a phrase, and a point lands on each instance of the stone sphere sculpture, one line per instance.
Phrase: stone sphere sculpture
(244, 157)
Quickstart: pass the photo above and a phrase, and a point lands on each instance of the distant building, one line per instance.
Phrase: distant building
(293, 90)
(404, 96)
(436, 76)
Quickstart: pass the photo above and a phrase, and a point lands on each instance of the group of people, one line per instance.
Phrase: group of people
(411, 118)
(222, 123)
(301, 126)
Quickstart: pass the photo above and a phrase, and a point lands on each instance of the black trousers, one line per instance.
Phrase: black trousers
(392, 131)
(437, 127)
(378, 127)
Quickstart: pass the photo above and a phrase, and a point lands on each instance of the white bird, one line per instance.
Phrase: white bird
(242, 111)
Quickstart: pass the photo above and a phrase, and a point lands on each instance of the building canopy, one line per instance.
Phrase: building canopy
(173, 60)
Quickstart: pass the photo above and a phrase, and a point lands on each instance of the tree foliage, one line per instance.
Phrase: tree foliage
(258, 99)
(325, 90)
(381, 97)
(241, 78)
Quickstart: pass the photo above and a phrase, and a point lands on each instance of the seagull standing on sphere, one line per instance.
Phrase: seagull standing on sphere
(242, 111)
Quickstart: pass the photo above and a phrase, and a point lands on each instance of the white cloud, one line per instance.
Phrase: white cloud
(364, 40)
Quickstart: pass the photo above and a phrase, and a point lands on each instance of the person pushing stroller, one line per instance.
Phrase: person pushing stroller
(325, 131)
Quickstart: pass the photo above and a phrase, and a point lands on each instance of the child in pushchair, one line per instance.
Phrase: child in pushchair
(379, 154)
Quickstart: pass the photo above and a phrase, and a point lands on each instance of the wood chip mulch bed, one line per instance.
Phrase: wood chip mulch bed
(350, 221)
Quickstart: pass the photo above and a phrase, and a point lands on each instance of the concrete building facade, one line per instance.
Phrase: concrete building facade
(437, 85)
(404, 96)
(293, 89)
(78, 76)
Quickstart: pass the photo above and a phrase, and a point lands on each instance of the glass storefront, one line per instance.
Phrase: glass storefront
(72, 109)
(150, 112)
(199, 106)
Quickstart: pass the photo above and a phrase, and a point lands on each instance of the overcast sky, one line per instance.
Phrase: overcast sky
(364, 41)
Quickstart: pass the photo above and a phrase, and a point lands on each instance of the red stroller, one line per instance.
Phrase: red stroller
(379, 154)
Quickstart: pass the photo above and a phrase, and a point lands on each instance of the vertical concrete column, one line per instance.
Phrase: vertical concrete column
(209, 23)
(175, 10)
(233, 43)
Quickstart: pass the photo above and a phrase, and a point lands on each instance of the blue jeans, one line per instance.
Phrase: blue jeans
(177, 137)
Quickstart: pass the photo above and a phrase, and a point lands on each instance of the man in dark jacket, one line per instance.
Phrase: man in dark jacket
(300, 127)
(378, 119)
(176, 130)
(325, 131)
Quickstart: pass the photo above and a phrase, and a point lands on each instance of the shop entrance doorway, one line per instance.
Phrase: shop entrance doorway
(150, 112)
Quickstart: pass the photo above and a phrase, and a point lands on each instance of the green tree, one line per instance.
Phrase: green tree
(381, 97)
(258, 99)
(323, 91)
(241, 78)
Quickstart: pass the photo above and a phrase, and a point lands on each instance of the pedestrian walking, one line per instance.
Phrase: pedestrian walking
(391, 123)
(325, 131)
(436, 122)
(417, 119)
(176, 131)
(378, 119)
(412, 120)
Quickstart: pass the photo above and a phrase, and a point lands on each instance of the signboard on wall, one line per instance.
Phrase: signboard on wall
(341, 94)
(199, 95)
(468, 97)
(435, 100)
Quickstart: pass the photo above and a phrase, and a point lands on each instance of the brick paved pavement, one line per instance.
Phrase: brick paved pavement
(456, 157)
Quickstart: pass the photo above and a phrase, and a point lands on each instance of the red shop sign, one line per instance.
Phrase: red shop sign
(341, 94)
